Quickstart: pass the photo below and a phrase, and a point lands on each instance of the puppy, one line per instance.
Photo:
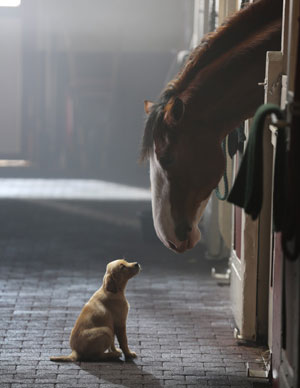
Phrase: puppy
(103, 317)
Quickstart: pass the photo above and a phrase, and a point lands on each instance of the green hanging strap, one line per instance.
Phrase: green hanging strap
(225, 178)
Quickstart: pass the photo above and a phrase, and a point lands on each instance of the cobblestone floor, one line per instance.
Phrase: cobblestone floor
(53, 257)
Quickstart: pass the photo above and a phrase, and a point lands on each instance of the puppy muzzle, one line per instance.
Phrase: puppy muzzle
(138, 267)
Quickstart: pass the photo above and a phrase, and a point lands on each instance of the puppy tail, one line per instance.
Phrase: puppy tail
(70, 358)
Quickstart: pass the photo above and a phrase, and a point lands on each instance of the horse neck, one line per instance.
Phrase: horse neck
(224, 89)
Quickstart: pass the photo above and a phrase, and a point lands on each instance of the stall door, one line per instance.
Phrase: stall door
(253, 242)
(243, 263)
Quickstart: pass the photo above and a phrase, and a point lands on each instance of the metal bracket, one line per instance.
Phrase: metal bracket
(237, 335)
(260, 368)
(279, 123)
(222, 278)
(292, 108)
(258, 371)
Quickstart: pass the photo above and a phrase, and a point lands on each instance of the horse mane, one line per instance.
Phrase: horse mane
(247, 25)
(236, 29)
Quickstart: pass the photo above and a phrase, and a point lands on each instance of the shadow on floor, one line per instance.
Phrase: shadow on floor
(131, 375)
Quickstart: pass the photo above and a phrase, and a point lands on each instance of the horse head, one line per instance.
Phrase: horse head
(186, 163)
(216, 90)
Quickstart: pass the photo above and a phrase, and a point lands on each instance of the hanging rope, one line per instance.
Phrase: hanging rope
(225, 178)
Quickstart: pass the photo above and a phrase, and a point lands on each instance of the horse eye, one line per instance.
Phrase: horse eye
(122, 266)
(166, 161)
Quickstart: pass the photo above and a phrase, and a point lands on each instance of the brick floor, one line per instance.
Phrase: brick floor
(53, 258)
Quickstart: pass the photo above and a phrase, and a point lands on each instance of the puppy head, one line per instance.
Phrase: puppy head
(118, 272)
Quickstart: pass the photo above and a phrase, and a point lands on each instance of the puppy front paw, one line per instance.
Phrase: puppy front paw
(130, 355)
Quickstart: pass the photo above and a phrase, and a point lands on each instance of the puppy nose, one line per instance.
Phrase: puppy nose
(182, 231)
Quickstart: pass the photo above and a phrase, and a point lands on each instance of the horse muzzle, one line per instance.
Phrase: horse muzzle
(187, 238)
(182, 231)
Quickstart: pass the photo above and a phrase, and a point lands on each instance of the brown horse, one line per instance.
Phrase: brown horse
(215, 91)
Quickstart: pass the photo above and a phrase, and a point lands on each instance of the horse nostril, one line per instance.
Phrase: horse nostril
(171, 245)
(136, 265)
(182, 231)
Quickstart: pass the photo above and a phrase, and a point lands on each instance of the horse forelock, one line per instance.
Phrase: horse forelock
(154, 125)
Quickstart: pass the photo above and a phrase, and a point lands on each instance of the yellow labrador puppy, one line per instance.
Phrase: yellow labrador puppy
(103, 317)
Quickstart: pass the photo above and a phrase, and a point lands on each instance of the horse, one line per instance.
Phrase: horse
(218, 88)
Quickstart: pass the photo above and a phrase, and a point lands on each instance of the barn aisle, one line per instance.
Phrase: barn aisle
(53, 256)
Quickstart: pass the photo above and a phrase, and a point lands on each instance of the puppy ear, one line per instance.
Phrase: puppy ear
(110, 284)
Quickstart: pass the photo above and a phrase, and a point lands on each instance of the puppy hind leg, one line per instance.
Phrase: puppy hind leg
(95, 342)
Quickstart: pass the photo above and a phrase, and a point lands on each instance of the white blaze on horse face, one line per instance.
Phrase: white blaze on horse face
(161, 210)
(161, 207)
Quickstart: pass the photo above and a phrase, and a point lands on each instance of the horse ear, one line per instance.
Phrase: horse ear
(147, 106)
